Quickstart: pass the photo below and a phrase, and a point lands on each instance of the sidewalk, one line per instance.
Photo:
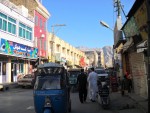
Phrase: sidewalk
(7, 86)
(128, 102)
(142, 103)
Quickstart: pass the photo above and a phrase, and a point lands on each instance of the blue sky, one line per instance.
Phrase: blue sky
(82, 18)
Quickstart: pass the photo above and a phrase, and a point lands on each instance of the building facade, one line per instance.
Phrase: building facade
(41, 16)
(17, 49)
(134, 50)
(63, 53)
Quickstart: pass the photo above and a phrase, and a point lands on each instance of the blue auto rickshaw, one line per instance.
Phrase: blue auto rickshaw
(73, 75)
(51, 89)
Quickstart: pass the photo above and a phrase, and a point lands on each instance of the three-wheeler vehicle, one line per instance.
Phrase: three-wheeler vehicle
(73, 75)
(51, 90)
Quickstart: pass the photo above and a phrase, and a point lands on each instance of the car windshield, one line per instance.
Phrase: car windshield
(100, 71)
(49, 82)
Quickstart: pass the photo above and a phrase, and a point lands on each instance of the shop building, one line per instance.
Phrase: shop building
(134, 50)
(41, 15)
(17, 49)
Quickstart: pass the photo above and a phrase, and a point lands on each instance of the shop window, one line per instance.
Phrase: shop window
(4, 68)
(36, 20)
(7, 23)
(45, 45)
(25, 31)
(40, 23)
(21, 68)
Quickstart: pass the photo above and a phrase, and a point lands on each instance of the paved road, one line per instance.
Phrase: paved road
(16, 101)
(21, 101)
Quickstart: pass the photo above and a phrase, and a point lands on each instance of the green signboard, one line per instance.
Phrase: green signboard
(130, 29)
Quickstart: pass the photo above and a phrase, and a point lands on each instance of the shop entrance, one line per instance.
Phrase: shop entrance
(2, 72)
(13, 72)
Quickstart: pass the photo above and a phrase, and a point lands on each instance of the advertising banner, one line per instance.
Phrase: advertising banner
(16, 49)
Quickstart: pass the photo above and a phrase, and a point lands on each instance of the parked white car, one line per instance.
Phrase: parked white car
(26, 80)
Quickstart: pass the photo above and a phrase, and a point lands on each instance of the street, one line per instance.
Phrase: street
(21, 101)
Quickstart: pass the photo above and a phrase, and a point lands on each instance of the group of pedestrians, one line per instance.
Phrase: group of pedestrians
(87, 81)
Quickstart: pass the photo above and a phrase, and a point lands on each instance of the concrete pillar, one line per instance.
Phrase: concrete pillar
(25, 67)
(8, 71)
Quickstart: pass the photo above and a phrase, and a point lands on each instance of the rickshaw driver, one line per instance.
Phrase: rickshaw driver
(46, 85)
(51, 84)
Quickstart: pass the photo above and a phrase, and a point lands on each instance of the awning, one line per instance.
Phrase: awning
(128, 44)
(142, 46)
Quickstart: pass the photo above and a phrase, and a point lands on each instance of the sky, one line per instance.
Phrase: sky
(82, 20)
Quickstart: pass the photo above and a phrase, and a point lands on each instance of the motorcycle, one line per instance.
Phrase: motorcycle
(103, 94)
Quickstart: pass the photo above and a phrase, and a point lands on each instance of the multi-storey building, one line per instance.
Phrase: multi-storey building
(41, 16)
(16, 41)
(62, 52)
(93, 58)
(101, 61)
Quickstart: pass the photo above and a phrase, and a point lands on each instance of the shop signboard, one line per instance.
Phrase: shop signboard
(15, 49)
(141, 20)
(130, 29)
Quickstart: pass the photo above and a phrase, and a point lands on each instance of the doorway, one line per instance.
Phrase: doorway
(13, 72)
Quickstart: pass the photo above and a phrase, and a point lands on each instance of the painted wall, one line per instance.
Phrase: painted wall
(40, 34)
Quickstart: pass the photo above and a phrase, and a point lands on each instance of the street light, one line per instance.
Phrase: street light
(105, 25)
(53, 37)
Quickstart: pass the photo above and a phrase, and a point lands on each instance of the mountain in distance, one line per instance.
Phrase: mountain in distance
(106, 50)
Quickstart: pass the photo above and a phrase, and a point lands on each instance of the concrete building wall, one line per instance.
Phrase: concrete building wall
(138, 73)
(19, 18)
(66, 50)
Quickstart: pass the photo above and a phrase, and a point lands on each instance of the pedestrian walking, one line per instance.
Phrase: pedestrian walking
(93, 87)
(129, 83)
(124, 85)
(82, 86)
(119, 83)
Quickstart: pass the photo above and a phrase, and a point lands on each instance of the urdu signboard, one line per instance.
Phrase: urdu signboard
(15, 49)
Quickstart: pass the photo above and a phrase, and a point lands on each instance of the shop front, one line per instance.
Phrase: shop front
(3, 67)
(15, 59)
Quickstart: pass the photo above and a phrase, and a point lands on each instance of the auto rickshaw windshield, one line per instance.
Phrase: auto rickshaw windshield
(50, 78)
(49, 82)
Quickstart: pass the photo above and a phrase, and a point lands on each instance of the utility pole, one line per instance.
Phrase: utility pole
(148, 49)
(53, 39)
